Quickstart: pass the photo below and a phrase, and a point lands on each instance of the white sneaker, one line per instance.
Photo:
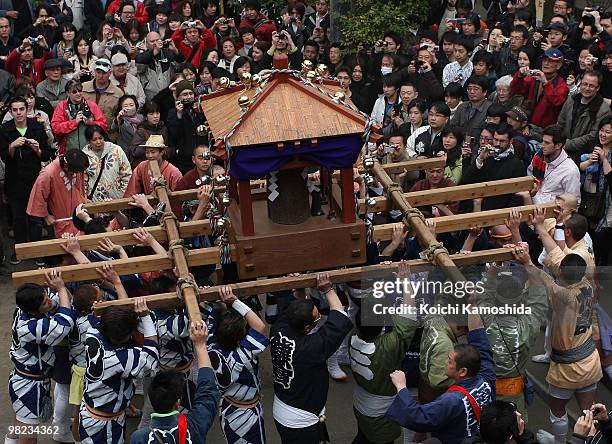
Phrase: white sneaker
(63, 435)
(541, 359)
(544, 437)
(336, 373)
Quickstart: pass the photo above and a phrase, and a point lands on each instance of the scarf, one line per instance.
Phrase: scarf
(134, 120)
(504, 154)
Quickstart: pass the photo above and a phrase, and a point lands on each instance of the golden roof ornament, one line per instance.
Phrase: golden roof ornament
(246, 79)
(244, 101)
(224, 82)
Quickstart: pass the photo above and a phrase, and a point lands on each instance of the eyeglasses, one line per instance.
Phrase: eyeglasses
(75, 90)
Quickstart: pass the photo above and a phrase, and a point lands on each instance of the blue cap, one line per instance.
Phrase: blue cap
(553, 54)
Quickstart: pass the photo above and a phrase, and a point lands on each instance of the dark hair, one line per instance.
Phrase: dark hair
(118, 323)
(18, 99)
(149, 107)
(522, 29)
(24, 91)
(497, 110)
(398, 134)
(122, 49)
(504, 128)
(597, 74)
(572, 269)
(345, 69)
(122, 99)
(464, 4)
(455, 130)
(578, 225)
(441, 108)
(188, 66)
(96, 225)
(299, 313)
(231, 329)
(498, 422)
(300, 8)
(483, 56)
(421, 104)
(524, 15)
(466, 42)
(129, 26)
(366, 332)
(391, 80)
(313, 44)
(66, 27)
(165, 390)
(454, 90)
(264, 45)
(91, 130)
(467, 356)
(124, 4)
(78, 39)
(480, 81)
(474, 19)
(217, 73)
(40, 8)
(162, 284)
(394, 36)
(241, 61)
(29, 297)
(449, 36)
(84, 297)
(556, 132)
(565, 22)
(76, 160)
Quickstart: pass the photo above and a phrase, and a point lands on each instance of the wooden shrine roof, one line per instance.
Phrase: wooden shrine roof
(286, 110)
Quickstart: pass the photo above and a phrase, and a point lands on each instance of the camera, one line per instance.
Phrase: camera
(33, 40)
(86, 111)
(588, 19)
(167, 43)
(531, 72)
(280, 35)
(458, 20)
(187, 103)
(418, 63)
(191, 23)
(222, 21)
(388, 149)
(382, 43)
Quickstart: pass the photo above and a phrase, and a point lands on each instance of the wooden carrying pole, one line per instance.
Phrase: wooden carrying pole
(452, 194)
(243, 289)
(186, 284)
(414, 221)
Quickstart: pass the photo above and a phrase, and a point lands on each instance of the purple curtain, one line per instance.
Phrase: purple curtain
(256, 161)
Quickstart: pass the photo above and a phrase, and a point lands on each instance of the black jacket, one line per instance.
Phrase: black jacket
(492, 169)
(183, 136)
(95, 13)
(23, 167)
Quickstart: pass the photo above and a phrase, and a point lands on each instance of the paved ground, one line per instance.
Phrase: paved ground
(341, 421)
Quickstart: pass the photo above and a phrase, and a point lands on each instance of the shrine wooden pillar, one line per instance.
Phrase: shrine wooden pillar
(246, 207)
(348, 199)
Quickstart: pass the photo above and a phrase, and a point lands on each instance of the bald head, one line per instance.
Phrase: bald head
(152, 38)
(567, 201)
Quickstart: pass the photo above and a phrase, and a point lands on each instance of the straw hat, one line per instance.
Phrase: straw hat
(155, 141)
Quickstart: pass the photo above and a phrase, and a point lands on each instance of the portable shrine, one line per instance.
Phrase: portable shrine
(281, 128)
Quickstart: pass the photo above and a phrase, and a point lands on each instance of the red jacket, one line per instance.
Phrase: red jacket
(140, 15)
(13, 65)
(207, 40)
(552, 98)
(62, 125)
(264, 30)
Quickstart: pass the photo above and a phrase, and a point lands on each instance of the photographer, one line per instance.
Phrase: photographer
(72, 116)
(282, 43)
(21, 62)
(23, 146)
(183, 122)
(259, 22)
(191, 39)
(505, 60)
(155, 64)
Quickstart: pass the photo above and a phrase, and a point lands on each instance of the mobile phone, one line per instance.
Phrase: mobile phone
(485, 36)
(468, 140)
